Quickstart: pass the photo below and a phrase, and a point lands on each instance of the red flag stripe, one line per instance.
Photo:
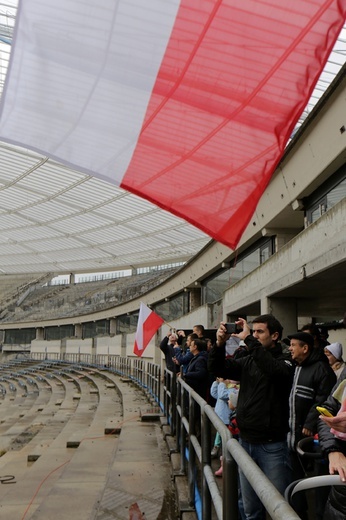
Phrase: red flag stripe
(225, 102)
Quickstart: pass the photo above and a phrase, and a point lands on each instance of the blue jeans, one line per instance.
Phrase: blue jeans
(273, 460)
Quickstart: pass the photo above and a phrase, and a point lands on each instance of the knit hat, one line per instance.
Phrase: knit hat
(335, 349)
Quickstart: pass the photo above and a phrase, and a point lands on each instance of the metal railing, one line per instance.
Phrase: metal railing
(192, 423)
(192, 426)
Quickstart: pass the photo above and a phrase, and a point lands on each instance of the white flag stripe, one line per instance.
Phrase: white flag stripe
(87, 80)
(144, 312)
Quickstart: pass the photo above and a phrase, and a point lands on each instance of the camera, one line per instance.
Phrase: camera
(231, 328)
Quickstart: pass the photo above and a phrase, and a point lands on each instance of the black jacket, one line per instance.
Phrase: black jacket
(265, 377)
(336, 504)
(169, 353)
(312, 384)
(196, 374)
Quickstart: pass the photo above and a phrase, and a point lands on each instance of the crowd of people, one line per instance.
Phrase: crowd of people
(266, 389)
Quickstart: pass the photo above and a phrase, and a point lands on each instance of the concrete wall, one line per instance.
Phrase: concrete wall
(109, 345)
(302, 258)
(49, 347)
(79, 346)
(199, 316)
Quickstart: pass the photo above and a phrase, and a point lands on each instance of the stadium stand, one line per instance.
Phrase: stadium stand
(66, 434)
(59, 301)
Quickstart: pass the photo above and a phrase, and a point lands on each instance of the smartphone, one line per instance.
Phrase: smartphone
(324, 411)
(231, 328)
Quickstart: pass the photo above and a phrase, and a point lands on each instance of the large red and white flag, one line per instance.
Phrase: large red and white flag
(187, 103)
(148, 323)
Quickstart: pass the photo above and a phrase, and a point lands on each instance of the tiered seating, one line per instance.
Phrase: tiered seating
(70, 407)
(24, 420)
(59, 301)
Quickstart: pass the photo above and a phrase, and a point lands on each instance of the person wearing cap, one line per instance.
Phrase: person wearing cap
(334, 355)
(312, 384)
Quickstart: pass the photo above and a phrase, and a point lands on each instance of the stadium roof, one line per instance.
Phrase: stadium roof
(56, 220)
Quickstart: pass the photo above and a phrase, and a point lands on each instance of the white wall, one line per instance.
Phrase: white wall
(49, 347)
(79, 346)
(108, 346)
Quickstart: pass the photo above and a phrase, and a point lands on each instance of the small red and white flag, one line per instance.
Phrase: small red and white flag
(148, 323)
(187, 104)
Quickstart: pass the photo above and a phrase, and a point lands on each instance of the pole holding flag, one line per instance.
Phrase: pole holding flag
(148, 323)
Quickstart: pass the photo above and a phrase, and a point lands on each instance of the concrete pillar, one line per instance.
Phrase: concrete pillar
(40, 333)
(157, 358)
(72, 279)
(112, 326)
(123, 344)
(78, 330)
(285, 310)
(281, 239)
(195, 298)
(265, 305)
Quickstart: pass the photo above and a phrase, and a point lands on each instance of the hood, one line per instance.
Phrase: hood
(317, 354)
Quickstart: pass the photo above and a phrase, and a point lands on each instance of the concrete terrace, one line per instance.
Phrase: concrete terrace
(75, 444)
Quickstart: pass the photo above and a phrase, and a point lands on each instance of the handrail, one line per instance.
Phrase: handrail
(318, 481)
(225, 504)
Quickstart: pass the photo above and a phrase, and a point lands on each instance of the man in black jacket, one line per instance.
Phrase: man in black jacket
(167, 347)
(196, 374)
(312, 383)
(265, 376)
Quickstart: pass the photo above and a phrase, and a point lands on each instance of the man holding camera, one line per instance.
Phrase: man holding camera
(167, 347)
(265, 376)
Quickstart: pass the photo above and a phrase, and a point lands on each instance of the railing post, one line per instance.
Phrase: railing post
(158, 384)
(229, 484)
(183, 432)
(166, 395)
(148, 378)
(173, 403)
(178, 420)
(129, 368)
(192, 454)
(206, 460)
